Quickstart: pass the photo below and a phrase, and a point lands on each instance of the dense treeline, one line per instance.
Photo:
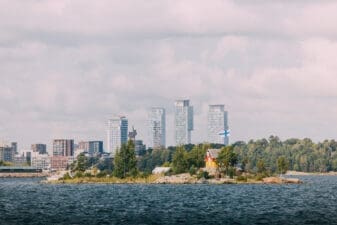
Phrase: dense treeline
(264, 156)
(300, 154)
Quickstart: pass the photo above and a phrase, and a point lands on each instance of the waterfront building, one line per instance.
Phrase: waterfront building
(117, 133)
(63, 147)
(183, 122)
(60, 162)
(23, 159)
(40, 148)
(7, 153)
(217, 123)
(20, 160)
(210, 159)
(157, 127)
(40, 161)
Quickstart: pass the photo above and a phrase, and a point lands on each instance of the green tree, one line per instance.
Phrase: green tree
(125, 162)
(196, 157)
(81, 163)
(227, 159)
(179, 162)
(282, 165)
(261, 167)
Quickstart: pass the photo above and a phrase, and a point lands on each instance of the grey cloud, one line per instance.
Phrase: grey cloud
(67, 66)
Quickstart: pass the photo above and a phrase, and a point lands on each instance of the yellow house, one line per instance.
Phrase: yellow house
(210, 159)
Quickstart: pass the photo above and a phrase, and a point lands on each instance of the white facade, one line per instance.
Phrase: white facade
(217, 123)
(117, 134)
(40, 161)
(157, 127)
(183, 122)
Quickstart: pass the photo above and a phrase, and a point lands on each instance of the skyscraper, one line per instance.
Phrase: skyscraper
(183, 122)
(157, 127)
(217, 122)
(117, 133)
(63, 147)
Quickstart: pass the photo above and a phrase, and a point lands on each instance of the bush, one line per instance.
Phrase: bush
(260, 176)
(101, 174)
(66, 176)
(242, 178)
(79, 174)
(203, 174)
(87, 174)
(144, 175)
(192, 170)
(231, 172)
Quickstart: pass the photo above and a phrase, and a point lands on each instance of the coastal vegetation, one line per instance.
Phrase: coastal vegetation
(254, 160)
(2, 163)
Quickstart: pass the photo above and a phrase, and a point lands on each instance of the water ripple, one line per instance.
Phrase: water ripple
(26, 201)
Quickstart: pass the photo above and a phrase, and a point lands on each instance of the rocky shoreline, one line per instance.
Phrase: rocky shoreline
(174, 179)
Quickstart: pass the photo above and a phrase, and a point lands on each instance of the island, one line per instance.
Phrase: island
(201, 165)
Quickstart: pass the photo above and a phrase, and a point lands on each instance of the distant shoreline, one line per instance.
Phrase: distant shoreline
(297, 173)
(22, 175)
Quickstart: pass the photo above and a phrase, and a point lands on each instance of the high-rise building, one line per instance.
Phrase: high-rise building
(217, 124)
(63, 147)
(40, 148)
(157, 127)
(15, 147)
(183, 122)
(117, 134)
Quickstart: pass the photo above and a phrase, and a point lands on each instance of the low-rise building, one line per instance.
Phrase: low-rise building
(40, 161)
(210, 159)
(161, 170)
(60, 162)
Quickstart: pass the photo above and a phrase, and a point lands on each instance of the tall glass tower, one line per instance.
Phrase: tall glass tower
(157, 127)
(217, 123)
(117, 134)
(183, 122)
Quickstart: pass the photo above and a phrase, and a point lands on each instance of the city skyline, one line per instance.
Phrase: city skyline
(64, 73)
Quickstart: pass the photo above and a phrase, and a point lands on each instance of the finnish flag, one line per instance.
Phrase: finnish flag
(225, 133)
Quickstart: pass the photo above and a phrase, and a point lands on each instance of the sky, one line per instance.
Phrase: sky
(67, 66)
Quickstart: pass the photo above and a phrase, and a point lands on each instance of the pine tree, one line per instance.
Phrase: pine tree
(125, 162)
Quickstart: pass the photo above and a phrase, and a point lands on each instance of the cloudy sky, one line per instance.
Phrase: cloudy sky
(67, 66)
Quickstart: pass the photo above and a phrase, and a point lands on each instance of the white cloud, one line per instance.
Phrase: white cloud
(67, 66)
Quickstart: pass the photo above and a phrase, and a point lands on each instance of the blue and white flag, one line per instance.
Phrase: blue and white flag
(225, 133)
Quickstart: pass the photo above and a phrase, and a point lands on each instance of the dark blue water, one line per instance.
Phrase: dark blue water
(26, 201)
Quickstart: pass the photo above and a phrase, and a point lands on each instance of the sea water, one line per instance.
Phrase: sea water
(28, 201)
